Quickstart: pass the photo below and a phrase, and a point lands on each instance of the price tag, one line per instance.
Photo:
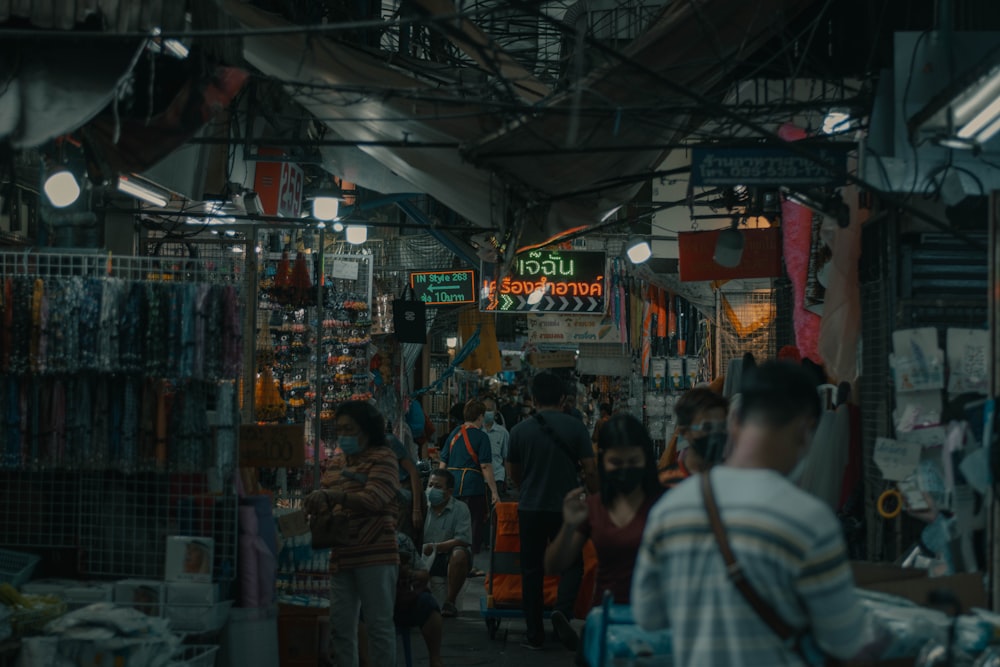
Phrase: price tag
(345, 269)
(897, 460)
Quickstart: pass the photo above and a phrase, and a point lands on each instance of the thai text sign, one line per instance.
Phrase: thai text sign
(444, 287)
(554, 329)
(766, 166)
(566, 281)
(272, 446)
(761, 255)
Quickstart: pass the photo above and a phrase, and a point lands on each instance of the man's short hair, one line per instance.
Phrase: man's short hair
(778, 392)
(449, 479)
(474, 409)
(697, 400)
(547, 389)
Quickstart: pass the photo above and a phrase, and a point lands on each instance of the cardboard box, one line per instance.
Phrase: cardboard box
(145, 595)
(184, 592)
(293, 523)
(915, 585)
(189, 558)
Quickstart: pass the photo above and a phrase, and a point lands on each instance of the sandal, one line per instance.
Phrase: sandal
(448, 610)
(476, 572)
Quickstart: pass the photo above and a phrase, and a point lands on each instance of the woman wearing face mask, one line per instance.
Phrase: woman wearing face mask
(614, 519)
(702, 436)
(363, 571)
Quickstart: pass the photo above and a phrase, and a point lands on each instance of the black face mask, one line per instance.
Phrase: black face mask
(625, 480)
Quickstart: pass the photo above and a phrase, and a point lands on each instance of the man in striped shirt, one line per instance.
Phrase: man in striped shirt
(787, 542)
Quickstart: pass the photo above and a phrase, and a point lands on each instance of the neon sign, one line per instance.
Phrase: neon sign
(567, 281)
(444, 287)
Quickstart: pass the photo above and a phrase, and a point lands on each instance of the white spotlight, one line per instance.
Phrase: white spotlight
(325, 208)
(836, 121)
(638, 250)
(357, 234)
(451, 342)
(338, 226)
(320, 225)
(61, 187)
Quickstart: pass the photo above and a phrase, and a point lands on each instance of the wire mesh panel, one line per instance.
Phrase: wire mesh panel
(39, 508)
(876, 399)
(119, 426)
(746, 322)
(124, 522)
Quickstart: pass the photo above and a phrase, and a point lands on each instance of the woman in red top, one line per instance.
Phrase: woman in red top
(614, 519)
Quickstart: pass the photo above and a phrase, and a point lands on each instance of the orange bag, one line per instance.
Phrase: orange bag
(506, 573)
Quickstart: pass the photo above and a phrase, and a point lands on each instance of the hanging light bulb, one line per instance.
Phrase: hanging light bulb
(61, 187)
(638, 250)
(325, 207)
(357, 234)
(338, 226)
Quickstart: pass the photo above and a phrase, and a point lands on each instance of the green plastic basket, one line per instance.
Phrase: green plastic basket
(16, 567)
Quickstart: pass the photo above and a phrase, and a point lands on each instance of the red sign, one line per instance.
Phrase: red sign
(279, 186)
(761, 255)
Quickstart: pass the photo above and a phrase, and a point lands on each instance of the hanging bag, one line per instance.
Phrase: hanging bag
(409, 318)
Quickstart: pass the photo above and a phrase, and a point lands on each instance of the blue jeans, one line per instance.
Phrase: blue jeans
(372, 589)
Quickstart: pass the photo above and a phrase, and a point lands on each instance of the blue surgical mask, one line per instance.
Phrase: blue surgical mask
(349, 444)
(435, 496)
(488, 418)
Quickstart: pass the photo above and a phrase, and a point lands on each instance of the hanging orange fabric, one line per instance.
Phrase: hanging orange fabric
(672, 317)
(662, 313)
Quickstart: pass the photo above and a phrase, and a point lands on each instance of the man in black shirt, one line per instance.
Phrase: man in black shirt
(548, 453)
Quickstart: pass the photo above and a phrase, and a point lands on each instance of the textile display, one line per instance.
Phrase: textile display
(796, 231)
(841, 324)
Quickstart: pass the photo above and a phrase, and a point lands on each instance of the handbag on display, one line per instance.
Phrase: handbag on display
(409, 318)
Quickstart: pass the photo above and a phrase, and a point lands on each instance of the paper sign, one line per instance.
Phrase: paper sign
(897, 460)
(345, 270)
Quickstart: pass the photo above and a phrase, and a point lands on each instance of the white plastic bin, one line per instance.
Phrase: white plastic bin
(250, 638)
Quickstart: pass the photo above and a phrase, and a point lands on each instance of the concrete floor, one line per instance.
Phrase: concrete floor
(467, 642)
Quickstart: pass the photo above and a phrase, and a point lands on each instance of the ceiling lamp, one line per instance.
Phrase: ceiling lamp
(729, 246)
(326, 207)
(338, 226)
(141, 189)
(836, 121)
(967, 113)
(61, 187)
(357, 234)
(638, 250)
(451, 342)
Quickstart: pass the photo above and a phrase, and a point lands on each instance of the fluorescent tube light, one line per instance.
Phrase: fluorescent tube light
(130, 185)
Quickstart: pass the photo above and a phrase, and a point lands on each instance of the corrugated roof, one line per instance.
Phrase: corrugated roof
(116, 15)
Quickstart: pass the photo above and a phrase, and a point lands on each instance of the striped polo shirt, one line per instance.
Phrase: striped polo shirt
(790, 547)
(371, 478)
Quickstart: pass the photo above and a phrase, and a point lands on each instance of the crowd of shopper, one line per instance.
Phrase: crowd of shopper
(712, 540)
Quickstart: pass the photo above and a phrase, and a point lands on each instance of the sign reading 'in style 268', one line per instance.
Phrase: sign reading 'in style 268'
(444, 287)
(563, 281)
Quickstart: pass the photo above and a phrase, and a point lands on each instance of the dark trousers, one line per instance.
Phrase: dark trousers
(537, 529)
(477, 510)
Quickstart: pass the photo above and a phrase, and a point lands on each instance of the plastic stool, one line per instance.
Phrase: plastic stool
(404, 635)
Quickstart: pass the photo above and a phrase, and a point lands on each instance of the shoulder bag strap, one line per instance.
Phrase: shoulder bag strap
(468, 445)
(547, 430)
(735, 573)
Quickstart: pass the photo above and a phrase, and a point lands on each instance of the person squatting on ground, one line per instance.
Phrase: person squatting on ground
(448, 534)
